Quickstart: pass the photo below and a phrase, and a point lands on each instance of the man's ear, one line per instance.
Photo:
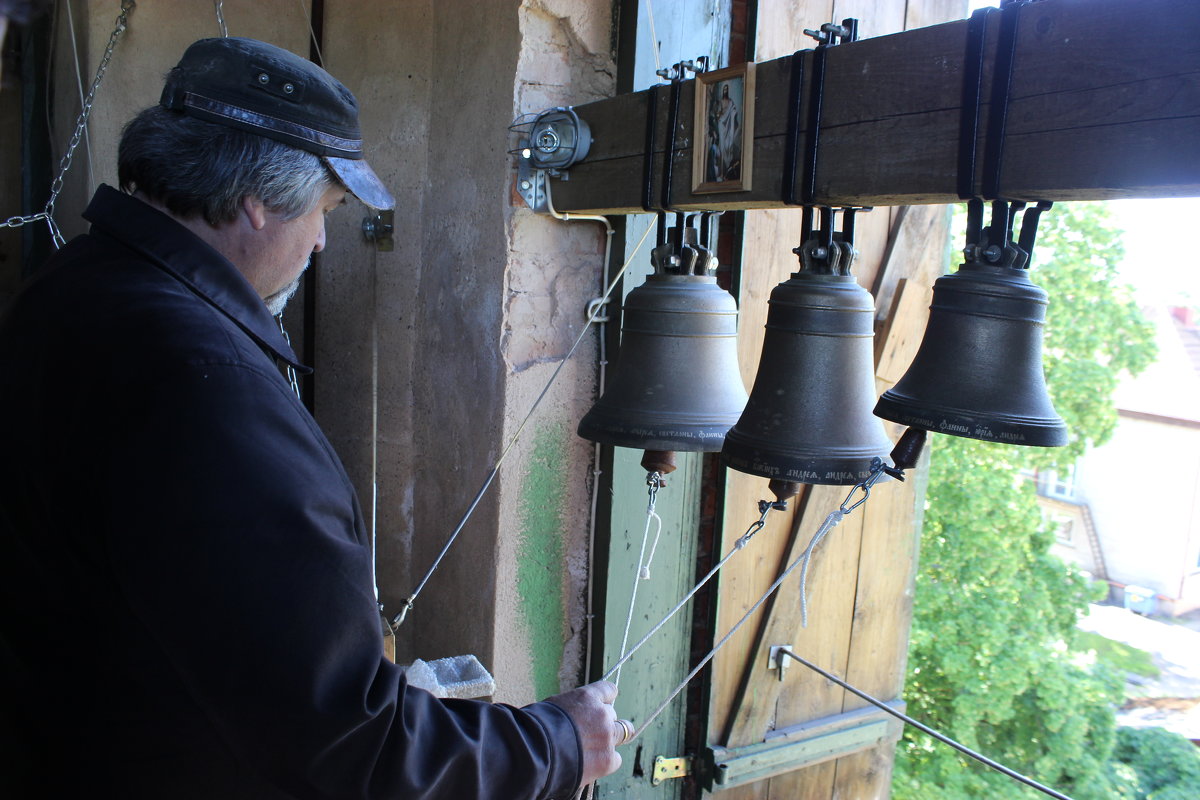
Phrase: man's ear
(255, 211)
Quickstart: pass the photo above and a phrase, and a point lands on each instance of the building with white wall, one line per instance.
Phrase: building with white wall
(1130, 513)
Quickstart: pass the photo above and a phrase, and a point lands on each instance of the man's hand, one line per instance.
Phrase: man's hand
(590, 708)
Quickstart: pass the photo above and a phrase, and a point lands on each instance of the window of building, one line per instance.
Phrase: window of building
(1059, 484)
(1064, 530)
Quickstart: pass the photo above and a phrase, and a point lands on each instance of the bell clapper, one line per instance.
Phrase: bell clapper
(783, 491)
(658, 464)
(906, 452)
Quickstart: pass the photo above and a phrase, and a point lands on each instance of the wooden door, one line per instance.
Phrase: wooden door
(798, 735)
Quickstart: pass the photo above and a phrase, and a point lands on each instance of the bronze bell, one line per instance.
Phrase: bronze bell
(978, 371)
(809, 418)
(676, 383)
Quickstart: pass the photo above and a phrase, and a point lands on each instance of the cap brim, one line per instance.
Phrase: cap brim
(361, 180)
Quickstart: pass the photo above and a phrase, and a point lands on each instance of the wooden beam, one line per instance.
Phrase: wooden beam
(1104, 103)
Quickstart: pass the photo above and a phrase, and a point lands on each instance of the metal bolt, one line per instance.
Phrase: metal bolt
(525, 185)
(288, 88)
(262, 77)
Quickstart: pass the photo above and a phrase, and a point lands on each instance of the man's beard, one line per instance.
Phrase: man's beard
(278, 301)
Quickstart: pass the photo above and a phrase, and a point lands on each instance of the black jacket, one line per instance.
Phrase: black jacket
(187, 608)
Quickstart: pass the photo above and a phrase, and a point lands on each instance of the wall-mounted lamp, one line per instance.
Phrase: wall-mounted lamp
(550, 142)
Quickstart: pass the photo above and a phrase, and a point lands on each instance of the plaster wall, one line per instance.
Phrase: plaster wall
(554, 269)
(1145, 511)
(1144, 485)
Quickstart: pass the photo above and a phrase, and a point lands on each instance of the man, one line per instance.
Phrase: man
(187, 602)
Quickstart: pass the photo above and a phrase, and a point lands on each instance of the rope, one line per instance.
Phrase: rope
(830, 522)
(87, 139)
(717, 647)
(654, 37)
(642, 571)
(926, 729)
(316, 45)
(219, 6)
(877, 471)
(411, 599)
(738, 545)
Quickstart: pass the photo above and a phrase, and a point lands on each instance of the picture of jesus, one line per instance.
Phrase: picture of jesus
(720, 162)
(725, 133)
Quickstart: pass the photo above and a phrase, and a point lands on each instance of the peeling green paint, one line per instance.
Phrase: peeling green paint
(540, 557)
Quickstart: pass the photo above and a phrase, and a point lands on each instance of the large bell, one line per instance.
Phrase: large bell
(809, 418)
(978, 371)
(676, 383)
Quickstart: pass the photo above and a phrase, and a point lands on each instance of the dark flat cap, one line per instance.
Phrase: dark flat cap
(264, 89)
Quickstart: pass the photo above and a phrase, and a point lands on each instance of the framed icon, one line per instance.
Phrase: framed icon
(723, 147)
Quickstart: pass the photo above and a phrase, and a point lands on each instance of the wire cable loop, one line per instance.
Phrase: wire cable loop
(642, 571)
(830, 521)
(754, 528)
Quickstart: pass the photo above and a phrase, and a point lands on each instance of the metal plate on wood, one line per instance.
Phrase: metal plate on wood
(667, 768)
(800, 746)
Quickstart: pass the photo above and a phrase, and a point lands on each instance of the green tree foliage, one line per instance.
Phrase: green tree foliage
(1166, 764)
(990, 658)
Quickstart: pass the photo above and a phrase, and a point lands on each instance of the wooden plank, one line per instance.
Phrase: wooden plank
(882, 605)
(902, 332)
(1094, 113)
(663, 662)
(754, 710)
(916, 250)
(766, 261)
(747, 716)
(833, 576)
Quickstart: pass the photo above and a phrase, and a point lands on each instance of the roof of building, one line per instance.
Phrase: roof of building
(1170, 387)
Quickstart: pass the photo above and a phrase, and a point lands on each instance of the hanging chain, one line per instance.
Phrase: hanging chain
(56, 187)
(291, 371)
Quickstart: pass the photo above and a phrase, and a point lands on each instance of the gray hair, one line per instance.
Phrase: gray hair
(198, 168)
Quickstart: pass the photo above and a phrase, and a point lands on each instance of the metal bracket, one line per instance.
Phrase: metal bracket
(531, 184)
(666, 769)
(798, 746)
(777, 658)
(379, 229)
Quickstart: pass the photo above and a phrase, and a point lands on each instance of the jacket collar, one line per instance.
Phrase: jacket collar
(191, 261)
